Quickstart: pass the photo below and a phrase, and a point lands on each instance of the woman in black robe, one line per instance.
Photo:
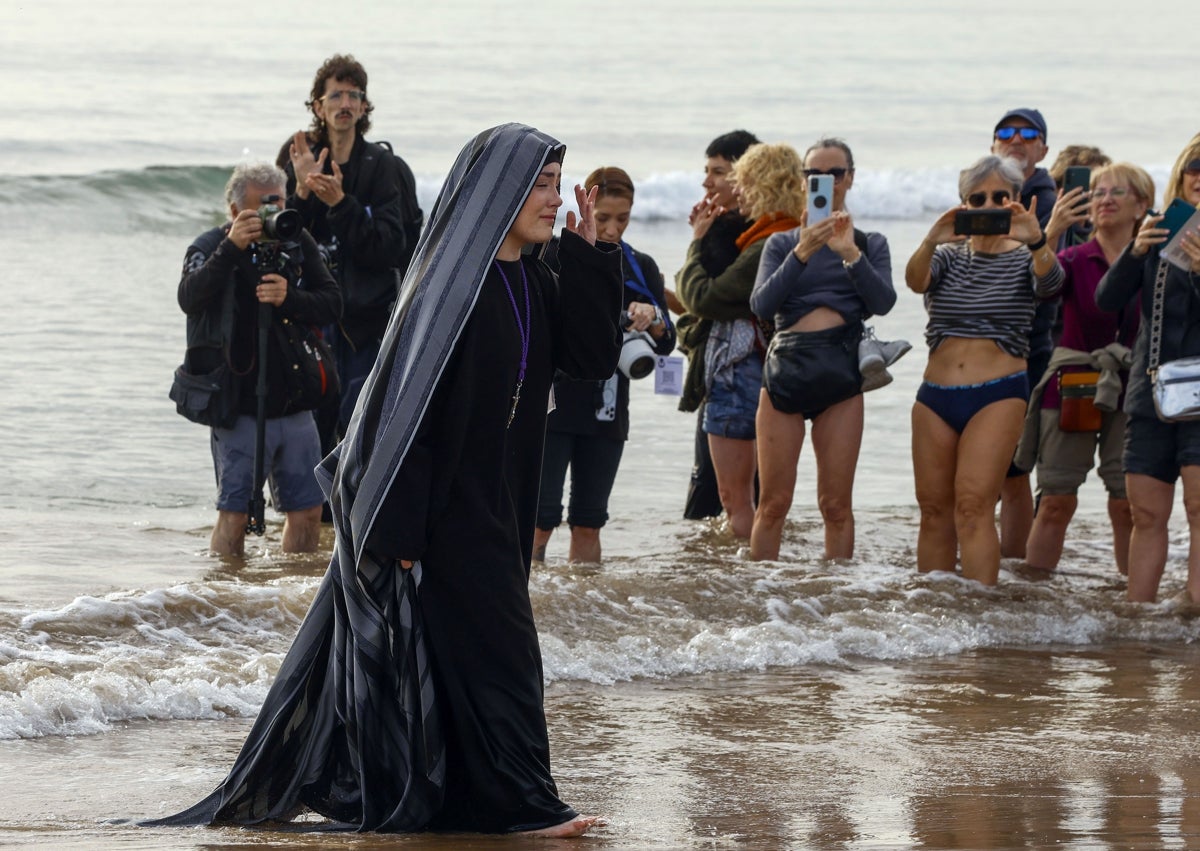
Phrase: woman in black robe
(411, 698)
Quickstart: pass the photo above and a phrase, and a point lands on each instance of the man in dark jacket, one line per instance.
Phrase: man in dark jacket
(1021, 135)
(228, 273)
(359, 201)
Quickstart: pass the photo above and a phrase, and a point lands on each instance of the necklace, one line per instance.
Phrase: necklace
(523, 328)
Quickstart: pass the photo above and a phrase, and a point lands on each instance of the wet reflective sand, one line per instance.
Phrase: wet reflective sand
(1006, 748)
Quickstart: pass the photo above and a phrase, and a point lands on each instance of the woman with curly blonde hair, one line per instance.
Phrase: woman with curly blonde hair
(769, 182)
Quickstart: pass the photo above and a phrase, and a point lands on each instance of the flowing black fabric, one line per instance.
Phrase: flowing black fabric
(412, 699)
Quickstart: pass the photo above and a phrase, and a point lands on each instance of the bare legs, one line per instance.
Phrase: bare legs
(1016, 515)
(1050, 530)
(585, 545)
(837, 437)
(1150, 501)
(733, 461)
(301, 532)
(958, 479)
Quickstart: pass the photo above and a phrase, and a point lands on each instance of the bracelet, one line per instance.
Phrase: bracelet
(850, 264)
(1037, 246)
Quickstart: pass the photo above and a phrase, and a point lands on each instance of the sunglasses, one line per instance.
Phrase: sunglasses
(1026, 133)
(1192, 168)
(1000, 197)
(837, 173)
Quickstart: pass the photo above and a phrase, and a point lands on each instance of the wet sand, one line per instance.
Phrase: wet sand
(1011, 748)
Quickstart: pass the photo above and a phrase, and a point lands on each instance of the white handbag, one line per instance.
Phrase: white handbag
(1175, 384)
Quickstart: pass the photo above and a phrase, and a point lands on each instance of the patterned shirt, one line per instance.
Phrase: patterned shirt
(985, 296)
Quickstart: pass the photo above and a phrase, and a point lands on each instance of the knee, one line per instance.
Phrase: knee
(1056, 511)
(972, 509)
(1149, 518)
(835, 510)
(774, 507)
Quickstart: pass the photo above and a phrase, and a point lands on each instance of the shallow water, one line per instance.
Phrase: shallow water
(695, 699)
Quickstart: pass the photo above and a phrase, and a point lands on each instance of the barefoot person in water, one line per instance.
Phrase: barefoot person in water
(412, 697)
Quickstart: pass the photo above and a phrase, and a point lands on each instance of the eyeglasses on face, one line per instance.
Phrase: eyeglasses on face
(1000, 197)
(1026, 133)
(354, 94)
(838, 173)
(1116, 193)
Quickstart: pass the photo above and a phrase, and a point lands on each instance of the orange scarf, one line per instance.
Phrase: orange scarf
(764, 226)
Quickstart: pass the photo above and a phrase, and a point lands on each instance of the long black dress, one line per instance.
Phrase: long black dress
(412, 699)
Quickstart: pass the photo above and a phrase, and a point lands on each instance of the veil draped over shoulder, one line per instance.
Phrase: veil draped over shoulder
(349, 728)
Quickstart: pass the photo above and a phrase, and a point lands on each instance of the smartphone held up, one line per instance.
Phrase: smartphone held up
(982, 222)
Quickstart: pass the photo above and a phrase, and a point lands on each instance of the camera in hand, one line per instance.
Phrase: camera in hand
(988, 222)
(278, 223)
(637, 352)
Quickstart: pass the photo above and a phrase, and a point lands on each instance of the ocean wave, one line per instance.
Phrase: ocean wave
(211, 650)
(178, 199)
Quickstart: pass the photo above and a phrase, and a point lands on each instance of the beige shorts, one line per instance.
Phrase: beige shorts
(1064, 458)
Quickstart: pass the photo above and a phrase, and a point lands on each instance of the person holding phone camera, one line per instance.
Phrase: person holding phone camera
(1159, 453)
(589, 425)
(817, 283)
(1073, 410)
(980, 268)
(769, 183)
(221, 279)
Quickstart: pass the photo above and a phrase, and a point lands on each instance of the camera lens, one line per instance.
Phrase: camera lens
(820, 201)
(284, 225)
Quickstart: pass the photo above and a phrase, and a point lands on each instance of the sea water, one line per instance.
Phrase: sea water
(120, 123)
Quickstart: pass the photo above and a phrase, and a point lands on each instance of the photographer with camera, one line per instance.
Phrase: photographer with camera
(261, 257)
(359, 201)
(589, 425)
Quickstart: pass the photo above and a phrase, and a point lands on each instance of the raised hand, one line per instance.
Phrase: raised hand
(1025, 227)
(585, 224)
(327, 187)
(703, 214)
(1148, 234)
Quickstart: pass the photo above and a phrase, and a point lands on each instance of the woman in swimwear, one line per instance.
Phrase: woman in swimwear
(980, 292)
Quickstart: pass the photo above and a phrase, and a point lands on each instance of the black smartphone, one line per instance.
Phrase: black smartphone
(1176, 216)
(1077, 176)
(982, 222)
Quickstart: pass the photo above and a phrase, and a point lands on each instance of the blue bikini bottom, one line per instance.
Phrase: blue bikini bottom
(956, 405)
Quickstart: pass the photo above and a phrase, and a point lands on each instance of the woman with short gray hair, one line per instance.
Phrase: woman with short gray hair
(981, 268)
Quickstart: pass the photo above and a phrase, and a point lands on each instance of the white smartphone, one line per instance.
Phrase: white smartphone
(820, 197)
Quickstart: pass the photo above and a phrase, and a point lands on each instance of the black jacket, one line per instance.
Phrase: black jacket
(1130, 276)
(369, 237)
(217, 292)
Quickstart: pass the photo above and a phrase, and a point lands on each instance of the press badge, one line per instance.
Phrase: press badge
(668, 375)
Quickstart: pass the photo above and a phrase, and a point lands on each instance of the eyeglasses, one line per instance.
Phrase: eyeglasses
(354, 94)
(1026, 133)
(837, 173)
(1192, 168)
(1000, 197)
(1116, 193)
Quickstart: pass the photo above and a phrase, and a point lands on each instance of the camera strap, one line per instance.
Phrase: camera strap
(638, 282)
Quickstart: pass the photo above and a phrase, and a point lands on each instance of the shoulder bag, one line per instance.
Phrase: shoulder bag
(1176, 383)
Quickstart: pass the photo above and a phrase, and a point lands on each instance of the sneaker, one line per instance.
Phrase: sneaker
(893, 350)
(870, 353)
(875, 380)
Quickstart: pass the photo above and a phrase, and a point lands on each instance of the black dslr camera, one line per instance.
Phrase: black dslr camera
(281, 229)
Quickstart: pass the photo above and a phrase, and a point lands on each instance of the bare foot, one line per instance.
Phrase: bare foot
(577, 826)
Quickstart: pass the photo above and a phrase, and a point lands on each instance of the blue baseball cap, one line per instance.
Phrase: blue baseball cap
(1031, 115)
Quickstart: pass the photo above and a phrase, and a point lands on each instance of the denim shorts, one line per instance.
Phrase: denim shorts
(292, 450)
(732, 401)
(1158, 449)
